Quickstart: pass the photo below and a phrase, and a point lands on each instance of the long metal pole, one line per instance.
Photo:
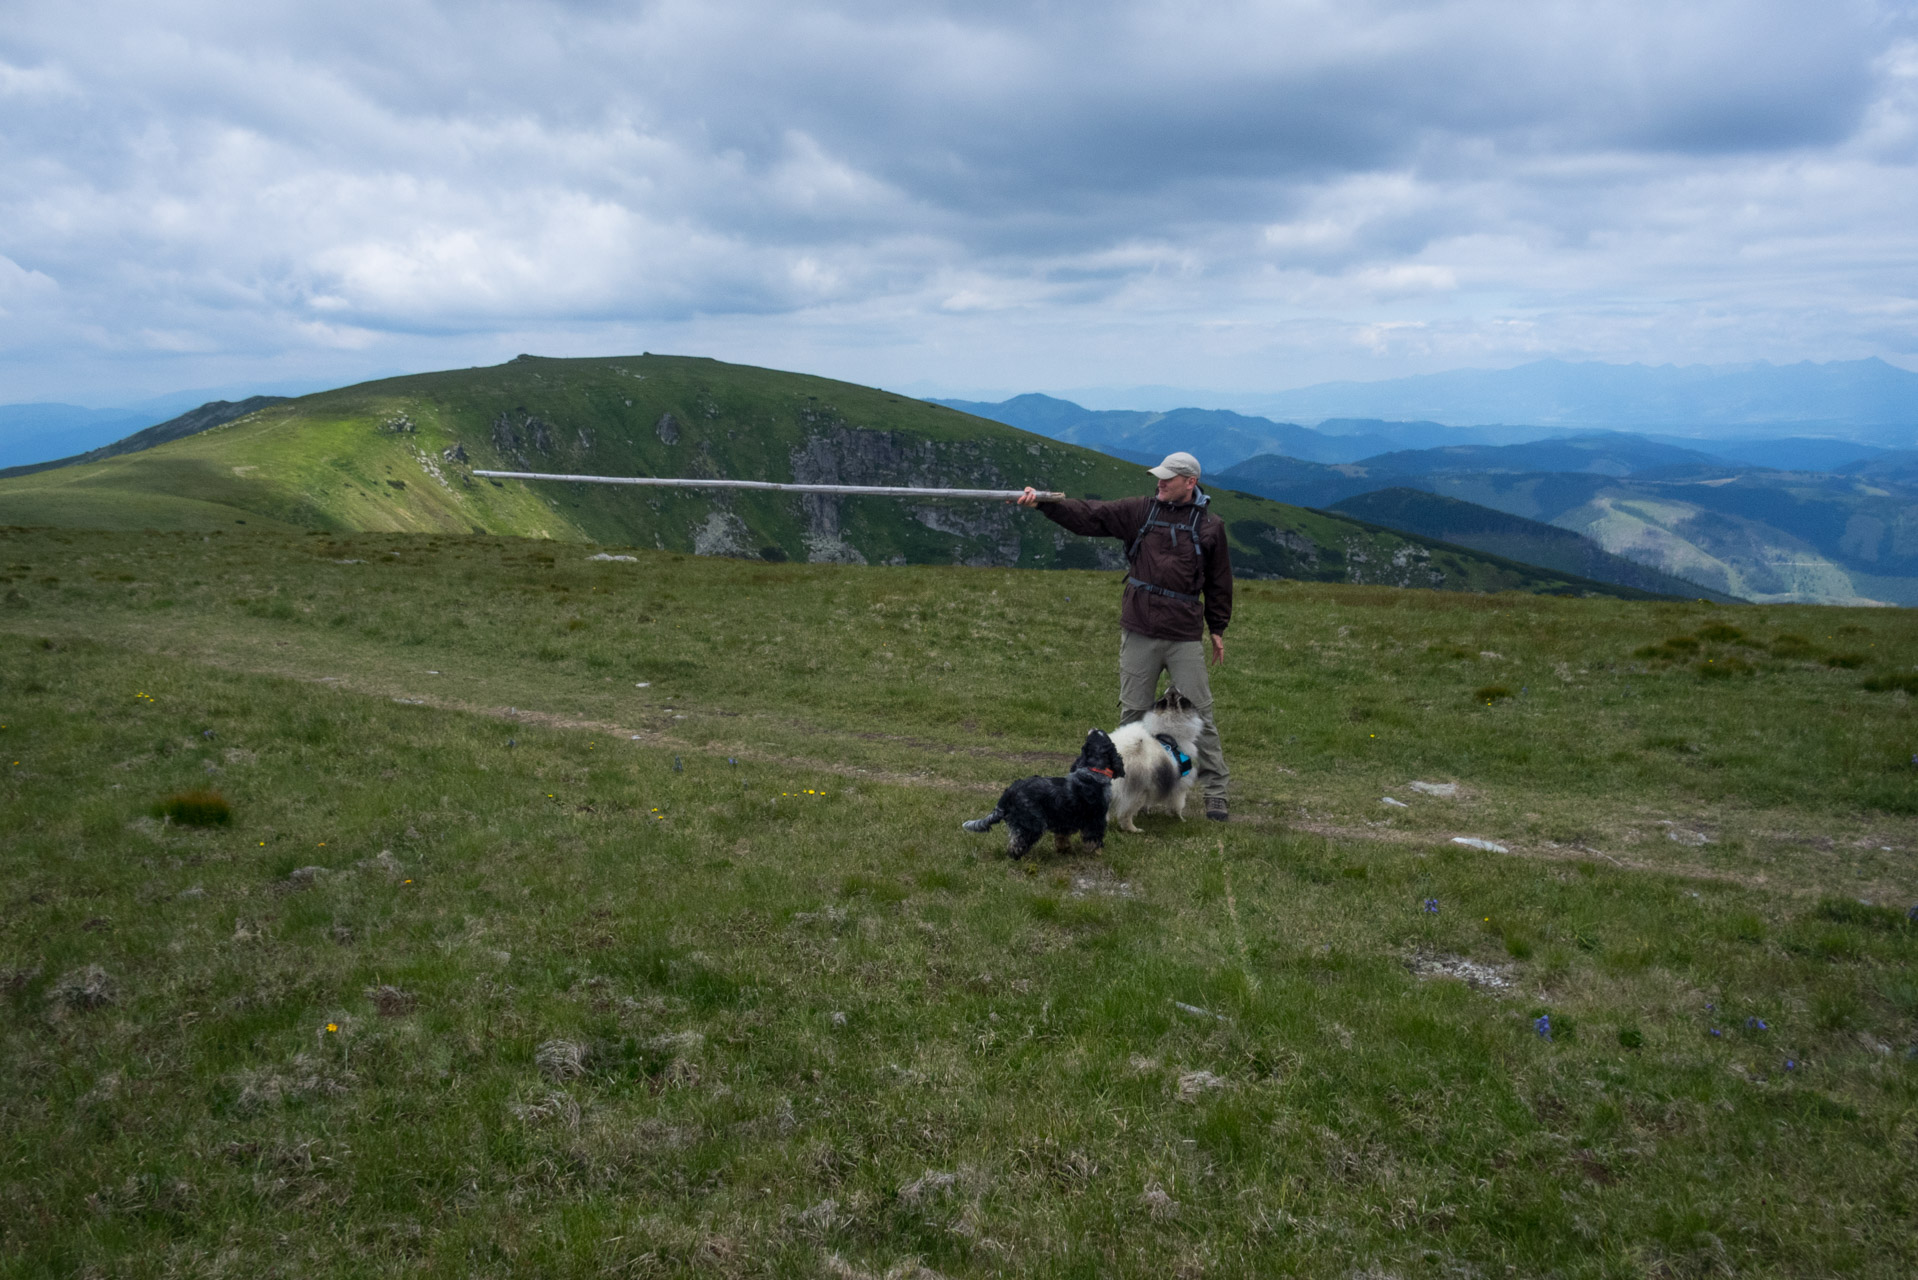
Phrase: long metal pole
(848, 490)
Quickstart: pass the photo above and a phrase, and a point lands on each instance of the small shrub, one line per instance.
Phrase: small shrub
(1903, 682)
(1871, 916)
(1518, 947)
(1836, 1010)
(1720, 633)
(1682, 644)
(196, 808)
(1491, 693)
(1835, 944)
(1901, 993)
(1631, 1038)
(1723, 668)
(1847, 661)
(1793, 647)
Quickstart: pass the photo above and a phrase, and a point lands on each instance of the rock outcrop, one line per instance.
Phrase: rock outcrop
(836, 452)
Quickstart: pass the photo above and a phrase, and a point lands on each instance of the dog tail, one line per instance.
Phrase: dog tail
(979, 826)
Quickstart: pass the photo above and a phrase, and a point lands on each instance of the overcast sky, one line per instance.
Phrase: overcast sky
(970, 197)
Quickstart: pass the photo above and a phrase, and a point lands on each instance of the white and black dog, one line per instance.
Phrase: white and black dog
(1077, 802)
(1157, 751)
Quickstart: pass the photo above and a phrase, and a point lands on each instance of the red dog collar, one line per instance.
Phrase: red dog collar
(1089, 769)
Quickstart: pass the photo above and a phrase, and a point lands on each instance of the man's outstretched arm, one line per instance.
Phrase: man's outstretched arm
(1089, 519)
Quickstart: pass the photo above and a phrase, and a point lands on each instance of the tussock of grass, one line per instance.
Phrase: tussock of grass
(196, 808)
(1793, 647)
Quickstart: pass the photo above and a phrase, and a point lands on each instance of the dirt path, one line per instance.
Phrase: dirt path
(1253, 817)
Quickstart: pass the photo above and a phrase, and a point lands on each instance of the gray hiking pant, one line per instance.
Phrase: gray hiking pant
(1141, 659)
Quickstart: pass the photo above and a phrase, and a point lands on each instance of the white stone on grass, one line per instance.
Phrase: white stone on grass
(1470, 972)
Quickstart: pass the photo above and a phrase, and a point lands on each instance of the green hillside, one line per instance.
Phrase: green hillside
(398, 456)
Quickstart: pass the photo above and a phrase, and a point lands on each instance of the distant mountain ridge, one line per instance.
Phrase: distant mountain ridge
(1608, 453)
(1218, 437)
(1866, 399)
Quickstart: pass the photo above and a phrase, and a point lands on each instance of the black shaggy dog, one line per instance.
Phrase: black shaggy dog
(1077, 802)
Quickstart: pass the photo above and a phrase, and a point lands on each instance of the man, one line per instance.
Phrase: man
(1178, 585)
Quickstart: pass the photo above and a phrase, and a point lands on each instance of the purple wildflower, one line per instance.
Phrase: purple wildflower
(1717, 1032)
(1431, 906)
(1756, 1024)
(1543, 1025)
(1791, 1064)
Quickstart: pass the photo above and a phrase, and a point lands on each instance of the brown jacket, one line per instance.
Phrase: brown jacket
(1161, 563)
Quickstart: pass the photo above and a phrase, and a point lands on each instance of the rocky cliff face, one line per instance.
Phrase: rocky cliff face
(837, 453)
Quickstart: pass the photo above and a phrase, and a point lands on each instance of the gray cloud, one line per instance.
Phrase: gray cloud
(1246, 194)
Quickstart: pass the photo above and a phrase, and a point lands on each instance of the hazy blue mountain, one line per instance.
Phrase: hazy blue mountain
(1499, 533)
(190, 423)
(1217, 437)
(36, 432)
(1301, 483)
(1407, 435)
(1607, 453)
(1787, 453)
(1867, 399)
(1896, 467)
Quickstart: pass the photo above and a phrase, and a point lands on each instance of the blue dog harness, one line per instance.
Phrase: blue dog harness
(1183, 760)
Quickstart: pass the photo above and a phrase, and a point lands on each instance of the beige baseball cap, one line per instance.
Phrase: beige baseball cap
(1176, 464)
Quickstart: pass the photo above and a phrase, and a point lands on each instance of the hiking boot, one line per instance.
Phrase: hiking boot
(1215, 808)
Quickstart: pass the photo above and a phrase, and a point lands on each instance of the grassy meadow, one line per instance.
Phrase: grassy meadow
(557, 916)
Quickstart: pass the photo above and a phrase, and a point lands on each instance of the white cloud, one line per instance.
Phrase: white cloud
(1242, 193)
